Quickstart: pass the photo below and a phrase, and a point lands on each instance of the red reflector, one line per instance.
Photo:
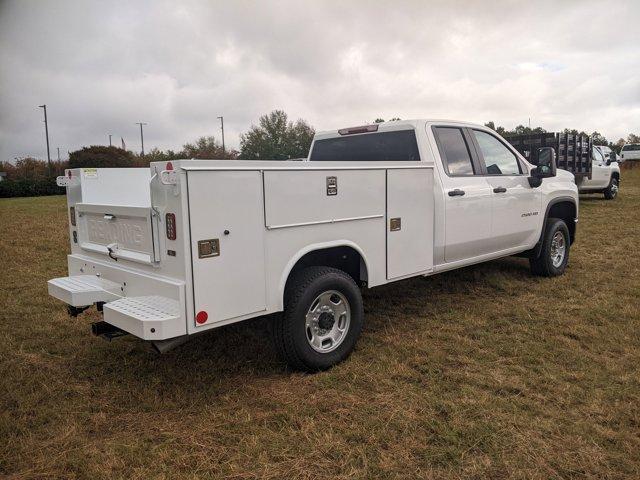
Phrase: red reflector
(362, 129)
(202, 317)
(169, 166)
(69, 173)
(171, 225)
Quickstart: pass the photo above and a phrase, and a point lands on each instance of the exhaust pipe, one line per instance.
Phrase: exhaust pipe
(163, 346)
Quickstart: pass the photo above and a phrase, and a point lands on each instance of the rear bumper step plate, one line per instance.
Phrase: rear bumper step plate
(150, 318)
(83, 290)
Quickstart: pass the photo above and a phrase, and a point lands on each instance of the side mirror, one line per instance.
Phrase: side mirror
(546, 166)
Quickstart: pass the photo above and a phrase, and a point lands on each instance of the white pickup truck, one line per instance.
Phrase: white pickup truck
(187, 246)
(605, 175)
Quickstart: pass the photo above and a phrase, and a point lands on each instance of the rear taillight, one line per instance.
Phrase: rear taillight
(171, 226)
(72, 215)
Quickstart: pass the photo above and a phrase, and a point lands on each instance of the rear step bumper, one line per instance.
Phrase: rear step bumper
(83, 290)
(150, 318)
(156, 312)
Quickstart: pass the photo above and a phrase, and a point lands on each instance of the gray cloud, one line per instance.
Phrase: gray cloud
(103, 66)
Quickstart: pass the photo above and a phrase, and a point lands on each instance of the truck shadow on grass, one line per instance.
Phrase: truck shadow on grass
(237, 352)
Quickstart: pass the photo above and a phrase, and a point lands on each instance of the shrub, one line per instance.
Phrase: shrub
(30, 187)
(98, 156)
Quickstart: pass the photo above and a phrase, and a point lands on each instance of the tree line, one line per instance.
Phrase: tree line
(274, 137)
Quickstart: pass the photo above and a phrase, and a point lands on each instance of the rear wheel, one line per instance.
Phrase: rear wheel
(554, 254)
(611, 191)
(322, 319)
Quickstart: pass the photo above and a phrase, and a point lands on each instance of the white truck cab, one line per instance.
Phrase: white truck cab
(187, 246)
(605, 174)
(630, 151)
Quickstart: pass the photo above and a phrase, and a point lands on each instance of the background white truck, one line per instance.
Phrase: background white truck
(605, 175)
(191, 245)
(593, 172)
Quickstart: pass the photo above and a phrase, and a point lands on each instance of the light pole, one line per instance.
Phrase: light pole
(141, 136)
(109, 139)
(222, 126)
(58, 154)
(46, 132)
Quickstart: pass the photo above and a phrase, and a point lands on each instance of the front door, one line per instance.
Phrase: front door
(600, 171)
(516, 205)
(467, 197)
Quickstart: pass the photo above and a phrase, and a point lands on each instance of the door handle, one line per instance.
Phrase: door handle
(456, 193)
(499, 190)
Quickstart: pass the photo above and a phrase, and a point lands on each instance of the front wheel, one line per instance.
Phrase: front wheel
(554, 254)
(611, 191)
(322, 319)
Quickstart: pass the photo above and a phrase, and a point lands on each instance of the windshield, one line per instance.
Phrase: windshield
(395, 146)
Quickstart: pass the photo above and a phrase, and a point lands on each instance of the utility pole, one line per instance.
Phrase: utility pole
(58, 154)
(109, 139)
(222, 126)
(141, 136)
(46, 132)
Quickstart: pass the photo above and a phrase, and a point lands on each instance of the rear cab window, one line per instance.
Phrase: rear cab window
(631, 148)
(394, 146)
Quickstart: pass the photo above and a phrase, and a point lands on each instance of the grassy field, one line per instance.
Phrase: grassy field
(485, 372)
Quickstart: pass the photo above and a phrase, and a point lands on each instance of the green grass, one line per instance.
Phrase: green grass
(484, 372)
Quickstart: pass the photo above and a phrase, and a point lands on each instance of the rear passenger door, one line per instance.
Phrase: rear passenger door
(467, 196)
(516, 206)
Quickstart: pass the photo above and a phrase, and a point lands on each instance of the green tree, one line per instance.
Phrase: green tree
(598, 139)
(633, 138)
(276, 138)
(206, 148)
(382, 120)
(99, 156)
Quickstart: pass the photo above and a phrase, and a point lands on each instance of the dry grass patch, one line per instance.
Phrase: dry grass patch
(481, 372)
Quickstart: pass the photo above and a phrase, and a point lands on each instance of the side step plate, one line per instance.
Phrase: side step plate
(82, 290)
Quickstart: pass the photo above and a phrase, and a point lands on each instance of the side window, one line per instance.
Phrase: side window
(597, 155)
(498, 159)
(454, 151)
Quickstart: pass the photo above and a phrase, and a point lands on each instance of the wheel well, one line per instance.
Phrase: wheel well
(344, 258)
(616, 175)
(567, 212)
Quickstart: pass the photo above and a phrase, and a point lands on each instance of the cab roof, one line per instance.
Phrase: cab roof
(392, 126)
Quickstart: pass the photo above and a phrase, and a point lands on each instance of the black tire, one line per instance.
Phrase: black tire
(290, 330)
(544, 265)
(611, 191)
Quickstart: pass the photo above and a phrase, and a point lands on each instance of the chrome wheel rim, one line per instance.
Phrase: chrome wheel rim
(327, 321)
(558, 249)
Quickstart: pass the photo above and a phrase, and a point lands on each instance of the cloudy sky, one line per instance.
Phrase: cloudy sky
(177, 65)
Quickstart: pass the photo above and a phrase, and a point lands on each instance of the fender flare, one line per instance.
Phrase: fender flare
(312, 248)
(538, 247)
